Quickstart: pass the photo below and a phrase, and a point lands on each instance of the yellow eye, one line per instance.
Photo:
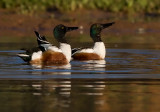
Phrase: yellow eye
(62, 27)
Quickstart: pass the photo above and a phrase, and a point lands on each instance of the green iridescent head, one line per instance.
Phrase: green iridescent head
(95, 31)
(60, 31)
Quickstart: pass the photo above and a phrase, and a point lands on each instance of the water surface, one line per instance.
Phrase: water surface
(127, 80)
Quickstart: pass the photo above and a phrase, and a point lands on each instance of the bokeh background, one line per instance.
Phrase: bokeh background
(126, 81)
(137, 21)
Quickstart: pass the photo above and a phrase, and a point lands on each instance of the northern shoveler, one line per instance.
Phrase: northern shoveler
(98, 51)
(46, 53)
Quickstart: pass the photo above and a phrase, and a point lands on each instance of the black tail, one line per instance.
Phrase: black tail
(25, 57)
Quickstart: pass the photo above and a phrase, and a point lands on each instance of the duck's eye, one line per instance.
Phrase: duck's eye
(62, 27)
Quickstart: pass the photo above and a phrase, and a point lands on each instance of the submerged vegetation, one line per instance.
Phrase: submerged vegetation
(126, 6)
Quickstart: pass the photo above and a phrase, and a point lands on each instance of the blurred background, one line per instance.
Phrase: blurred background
(126, 81)
(137, 21)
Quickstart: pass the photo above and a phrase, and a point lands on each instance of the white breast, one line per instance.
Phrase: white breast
(66, 50)
(99, 48)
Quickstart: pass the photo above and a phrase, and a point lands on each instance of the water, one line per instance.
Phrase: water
(126, 81)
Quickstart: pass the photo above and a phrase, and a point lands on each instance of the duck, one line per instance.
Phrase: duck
(98, 51)
(48, 54)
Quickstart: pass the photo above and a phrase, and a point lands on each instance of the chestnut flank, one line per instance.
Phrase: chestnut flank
(86, 56)
(50, 57)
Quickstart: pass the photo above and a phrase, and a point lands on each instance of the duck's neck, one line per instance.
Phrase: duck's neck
(96, 37)
(99, 48)
(66, 49)
(61, 40)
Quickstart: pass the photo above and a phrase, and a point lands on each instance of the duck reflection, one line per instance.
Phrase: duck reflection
(55, 66)
(51, 70)
(65, 93)
(99, 65)
(92, 95)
